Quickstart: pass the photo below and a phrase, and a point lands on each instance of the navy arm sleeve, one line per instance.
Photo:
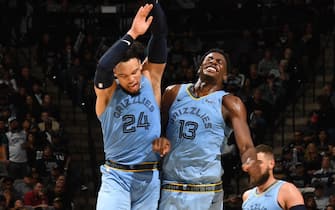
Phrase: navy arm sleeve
(104, 75)
(298, 207)
(157, 46)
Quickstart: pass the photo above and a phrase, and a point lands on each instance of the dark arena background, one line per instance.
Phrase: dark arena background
(282, 67)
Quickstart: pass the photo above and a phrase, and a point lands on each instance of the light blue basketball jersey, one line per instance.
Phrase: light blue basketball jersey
(129, 124)
(197, 132)
(264, 201)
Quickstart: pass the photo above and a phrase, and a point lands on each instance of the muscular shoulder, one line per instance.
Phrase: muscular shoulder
(169, 96)
(231, 101)
(246, 195)
(233, 104)
(289, 195)
(172, 90)
(288, 188)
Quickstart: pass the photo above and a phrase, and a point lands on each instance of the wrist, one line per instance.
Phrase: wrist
(130, 36)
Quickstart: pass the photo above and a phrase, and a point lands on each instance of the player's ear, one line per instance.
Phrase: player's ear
(272, 163)
(114, 72)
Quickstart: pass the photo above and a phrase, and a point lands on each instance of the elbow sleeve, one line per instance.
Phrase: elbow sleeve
(298, 207)
(103, 79)
(159, 23)
(104, 75)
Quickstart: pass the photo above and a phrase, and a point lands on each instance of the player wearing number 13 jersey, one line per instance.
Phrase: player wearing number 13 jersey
(197, 132)
(198, 119)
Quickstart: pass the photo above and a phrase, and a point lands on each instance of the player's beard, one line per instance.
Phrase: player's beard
(134, 93)
(261, 180)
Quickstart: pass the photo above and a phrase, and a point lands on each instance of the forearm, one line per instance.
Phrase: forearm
(104, 75)
(244, 142)
(157, 47)
(115, 53)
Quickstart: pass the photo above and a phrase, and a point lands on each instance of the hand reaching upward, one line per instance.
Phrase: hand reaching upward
(141, 21)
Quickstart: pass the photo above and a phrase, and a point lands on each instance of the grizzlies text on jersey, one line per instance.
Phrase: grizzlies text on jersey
(138, 119)
(197, 130)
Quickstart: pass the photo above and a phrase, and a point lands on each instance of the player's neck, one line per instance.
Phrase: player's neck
(264, 187)
(203, 88)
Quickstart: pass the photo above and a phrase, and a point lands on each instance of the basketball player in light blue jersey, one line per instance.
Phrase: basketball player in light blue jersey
(129, 112)
(199, 118)
(269, 192)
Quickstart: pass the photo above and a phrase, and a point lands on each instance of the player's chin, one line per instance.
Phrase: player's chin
(212, 75)
(134, 89)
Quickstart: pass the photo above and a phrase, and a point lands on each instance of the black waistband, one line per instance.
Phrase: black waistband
(216, 187)
(146, 166)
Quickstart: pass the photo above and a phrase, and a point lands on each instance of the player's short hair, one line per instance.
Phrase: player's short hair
(264, 149)
(136, 50)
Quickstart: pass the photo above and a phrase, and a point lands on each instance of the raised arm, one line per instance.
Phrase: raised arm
(104, 84)
(157, 49)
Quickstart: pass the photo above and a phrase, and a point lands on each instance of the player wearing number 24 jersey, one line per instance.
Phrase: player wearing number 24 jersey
(129, 112)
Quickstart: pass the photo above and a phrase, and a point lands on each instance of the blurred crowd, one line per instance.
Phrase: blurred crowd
(275, 48)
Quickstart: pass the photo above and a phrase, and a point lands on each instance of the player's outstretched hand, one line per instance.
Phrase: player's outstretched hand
(141, 21)
(161, 145)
